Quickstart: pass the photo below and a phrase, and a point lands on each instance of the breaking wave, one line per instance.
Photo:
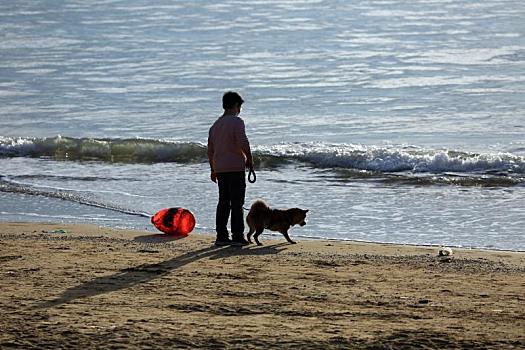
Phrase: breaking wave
(384, 159)
(396, 159)
(107, 150)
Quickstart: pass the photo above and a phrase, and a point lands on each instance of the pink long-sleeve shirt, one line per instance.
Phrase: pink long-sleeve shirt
(228, 145)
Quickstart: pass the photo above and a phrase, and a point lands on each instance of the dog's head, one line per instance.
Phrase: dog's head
(297, 216)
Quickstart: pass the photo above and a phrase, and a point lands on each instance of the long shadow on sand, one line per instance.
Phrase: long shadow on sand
(157, 238)
(132, 276)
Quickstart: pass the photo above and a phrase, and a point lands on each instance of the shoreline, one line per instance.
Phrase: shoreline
(268, 235)
(429, 245)
(90, 286)
(156, 237)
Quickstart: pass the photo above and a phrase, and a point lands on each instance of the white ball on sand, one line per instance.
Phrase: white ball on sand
(444, 251)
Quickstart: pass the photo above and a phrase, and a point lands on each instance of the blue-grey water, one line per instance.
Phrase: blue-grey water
(392, 121)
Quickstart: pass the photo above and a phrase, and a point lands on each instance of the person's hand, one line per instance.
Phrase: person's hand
(213, 176)
(249, 164)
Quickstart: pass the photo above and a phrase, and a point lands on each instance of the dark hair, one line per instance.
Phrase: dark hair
(230, 99)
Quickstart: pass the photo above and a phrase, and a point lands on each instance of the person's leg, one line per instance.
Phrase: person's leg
(237, 193)
(223, 206)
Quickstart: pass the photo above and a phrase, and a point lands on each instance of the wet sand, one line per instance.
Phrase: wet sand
(90, 287)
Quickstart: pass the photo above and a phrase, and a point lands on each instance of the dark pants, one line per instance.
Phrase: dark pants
(232, 188)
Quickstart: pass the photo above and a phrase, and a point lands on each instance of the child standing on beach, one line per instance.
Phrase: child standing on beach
(229, 155)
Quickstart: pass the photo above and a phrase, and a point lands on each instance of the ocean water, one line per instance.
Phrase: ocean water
(392, 121)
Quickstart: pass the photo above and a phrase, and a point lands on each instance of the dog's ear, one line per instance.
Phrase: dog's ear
(306, 210)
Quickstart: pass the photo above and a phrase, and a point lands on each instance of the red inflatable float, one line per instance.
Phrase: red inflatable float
(174, 221)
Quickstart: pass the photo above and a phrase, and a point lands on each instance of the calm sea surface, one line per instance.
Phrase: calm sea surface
(392, 121)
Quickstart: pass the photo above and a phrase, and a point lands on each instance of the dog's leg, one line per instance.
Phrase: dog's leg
(256, 236)
(249, 235)
(285, 234)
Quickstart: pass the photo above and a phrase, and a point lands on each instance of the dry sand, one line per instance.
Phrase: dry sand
(96, 287)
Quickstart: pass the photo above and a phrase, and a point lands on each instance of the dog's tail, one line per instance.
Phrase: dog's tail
(259, 206)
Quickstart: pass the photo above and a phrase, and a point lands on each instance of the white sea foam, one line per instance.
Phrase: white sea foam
(393, 159)
(322, 155)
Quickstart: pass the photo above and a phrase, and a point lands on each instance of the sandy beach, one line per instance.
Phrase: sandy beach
(78, 286)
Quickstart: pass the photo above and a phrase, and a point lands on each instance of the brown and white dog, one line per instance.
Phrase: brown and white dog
(262, 217)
